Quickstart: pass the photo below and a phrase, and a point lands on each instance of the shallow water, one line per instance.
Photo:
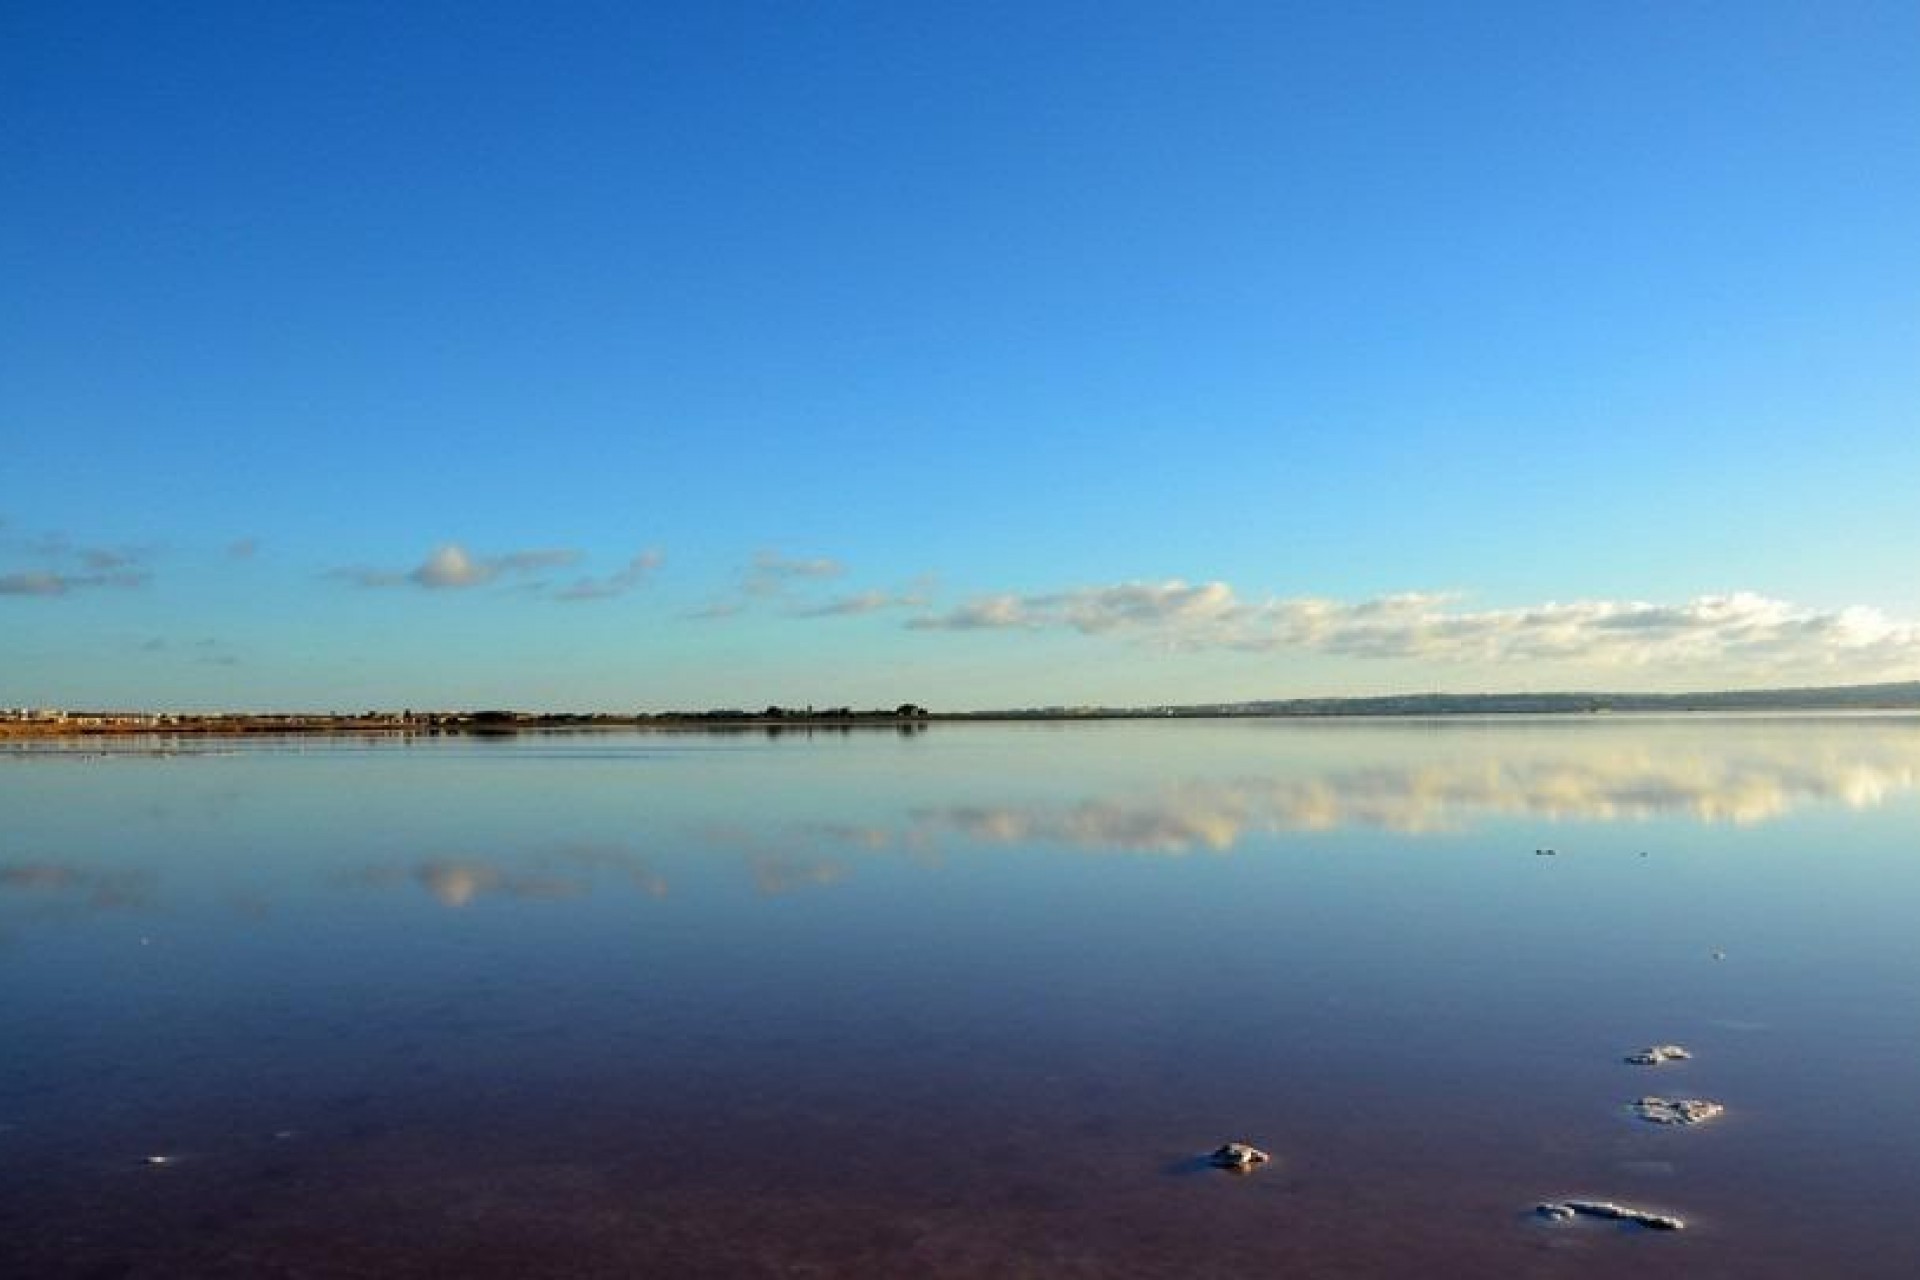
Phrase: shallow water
(968, 1001)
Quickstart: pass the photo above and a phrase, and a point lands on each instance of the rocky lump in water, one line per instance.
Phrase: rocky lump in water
(1654, 1055)
(1241, 1157)
(1676, 1110)
(1568, 1210)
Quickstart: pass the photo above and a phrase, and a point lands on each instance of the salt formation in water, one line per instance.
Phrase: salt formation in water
(1676, 1110)
(1654, 1055)
(1568, 1210)
(1240, 1157)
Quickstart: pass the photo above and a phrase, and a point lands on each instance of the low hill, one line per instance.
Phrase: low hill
(1862, 697)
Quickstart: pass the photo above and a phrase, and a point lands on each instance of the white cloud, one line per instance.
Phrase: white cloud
(1134, 604)
(1741, 633)
(631, 575)
(1164, 606)
(47, 583)
(452, 567)
(983, 613)
(774, 577)
(771, 573)
(530, 561)
(58, 566)
(864, 602)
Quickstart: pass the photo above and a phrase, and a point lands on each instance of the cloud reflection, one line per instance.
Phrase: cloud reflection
(568, 872)
(776, 876)
(780, 860)
(70, 887)
(457, 884)
(636, 870)
(1743, 787)
(1170, 826)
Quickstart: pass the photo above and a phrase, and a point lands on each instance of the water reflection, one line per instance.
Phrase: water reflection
(636, 870)
(568, 872)
(1602, 780)
(456, 884)
(466, 996)
(1146, 790)
(774, 875)
(67, 888)
(784, 859)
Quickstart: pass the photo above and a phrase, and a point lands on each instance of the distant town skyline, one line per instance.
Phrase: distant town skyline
(645, 357)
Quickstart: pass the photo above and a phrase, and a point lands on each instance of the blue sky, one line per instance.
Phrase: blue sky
(643, 356)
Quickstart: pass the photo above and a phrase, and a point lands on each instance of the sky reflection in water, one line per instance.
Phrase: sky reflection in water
(462, 971)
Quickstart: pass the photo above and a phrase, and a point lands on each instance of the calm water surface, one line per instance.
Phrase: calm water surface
(963, 1002)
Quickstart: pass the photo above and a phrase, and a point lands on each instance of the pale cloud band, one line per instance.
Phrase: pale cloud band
(48, 583)
(1741, 632)
(772, 572)
(64, 567)
(452, 567)
(863, 603)
(774, 577)
(635, 572)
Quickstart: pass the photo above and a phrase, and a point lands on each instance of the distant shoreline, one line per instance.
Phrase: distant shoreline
(909, 717)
